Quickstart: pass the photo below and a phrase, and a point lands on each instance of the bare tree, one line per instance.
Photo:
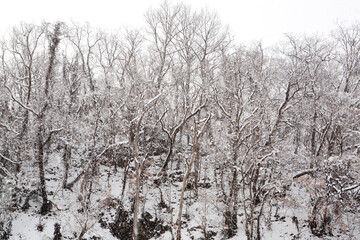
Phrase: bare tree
(348, 39)
(138, 162)
(41, 108)
(163, 28)
(197, 135)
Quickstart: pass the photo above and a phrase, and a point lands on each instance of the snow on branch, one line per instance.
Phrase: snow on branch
(163, 125)
(222, 107)
(8, 128)
(20, 103)
(51, 133)
(5, 171)
(265, 157)
(352, 187)
(145, 109)
(8, 159)
(152, 100)
(198, 135)
(110, 146)
(304, 172)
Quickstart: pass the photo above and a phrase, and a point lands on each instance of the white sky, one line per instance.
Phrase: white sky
(249, 20)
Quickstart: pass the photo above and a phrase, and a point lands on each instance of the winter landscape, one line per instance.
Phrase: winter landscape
(177, 131)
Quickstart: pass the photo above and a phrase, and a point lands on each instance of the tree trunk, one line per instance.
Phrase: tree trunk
(46, 205)
(187, 173)
(137, 173)
(168, 156)
(66, 157)
(137, 202)
(313, 141)
(181, 204)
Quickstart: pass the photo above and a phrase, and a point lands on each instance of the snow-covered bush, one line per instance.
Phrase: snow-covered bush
(333, 195)
(6, 202)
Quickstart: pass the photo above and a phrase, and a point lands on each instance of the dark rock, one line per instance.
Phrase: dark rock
(149, 227)
(46, 207)
(121, 228)
(40, 227)
(204, 185)
(230, 223)
(57, 233)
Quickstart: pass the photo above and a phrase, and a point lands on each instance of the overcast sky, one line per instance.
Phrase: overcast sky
(249, 20)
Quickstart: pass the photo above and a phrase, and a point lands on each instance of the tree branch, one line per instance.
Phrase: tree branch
(8, 159)
(305, 172)
(50, 134)
(20, 103)
(8, 128)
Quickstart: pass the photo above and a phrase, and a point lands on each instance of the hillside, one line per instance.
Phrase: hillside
(176, 132)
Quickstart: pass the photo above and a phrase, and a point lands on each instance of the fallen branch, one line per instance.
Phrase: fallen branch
(305, 172)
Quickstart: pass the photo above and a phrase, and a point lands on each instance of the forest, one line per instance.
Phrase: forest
(176, 131)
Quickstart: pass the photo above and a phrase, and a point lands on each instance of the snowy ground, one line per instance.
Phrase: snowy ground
(204, 211)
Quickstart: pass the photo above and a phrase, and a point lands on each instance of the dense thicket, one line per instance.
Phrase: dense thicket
(180, 96)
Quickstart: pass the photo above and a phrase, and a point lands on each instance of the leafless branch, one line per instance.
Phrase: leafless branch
(8, 159)
(20, 103)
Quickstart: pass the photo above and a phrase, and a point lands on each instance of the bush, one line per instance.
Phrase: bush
(6, 203)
